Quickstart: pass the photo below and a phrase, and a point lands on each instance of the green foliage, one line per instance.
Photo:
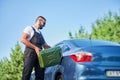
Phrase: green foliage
(12, 69)
(107, 28)
(80, 34)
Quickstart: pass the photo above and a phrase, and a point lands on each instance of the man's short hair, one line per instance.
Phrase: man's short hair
(40, 17)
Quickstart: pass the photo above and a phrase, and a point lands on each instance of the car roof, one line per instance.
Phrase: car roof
(79, 44)
(91, 42)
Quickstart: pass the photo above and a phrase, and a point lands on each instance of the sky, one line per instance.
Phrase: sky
(63, 16)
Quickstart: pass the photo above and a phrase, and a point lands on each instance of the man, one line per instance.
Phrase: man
(34, 42)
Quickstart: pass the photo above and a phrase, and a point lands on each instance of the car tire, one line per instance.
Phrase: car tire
(59, 77)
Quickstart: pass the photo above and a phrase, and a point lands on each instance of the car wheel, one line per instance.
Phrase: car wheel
(59, 77)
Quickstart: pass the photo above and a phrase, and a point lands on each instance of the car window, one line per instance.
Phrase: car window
(63, 47)
(81, 43)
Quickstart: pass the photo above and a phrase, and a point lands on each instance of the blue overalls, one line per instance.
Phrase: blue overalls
(31, 59)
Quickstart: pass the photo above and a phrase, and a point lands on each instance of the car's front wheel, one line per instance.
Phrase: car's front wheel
(59, 77)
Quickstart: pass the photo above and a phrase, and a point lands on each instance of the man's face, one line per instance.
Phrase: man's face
(41, 23)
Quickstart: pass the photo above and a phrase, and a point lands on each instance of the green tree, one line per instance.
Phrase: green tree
(11, 69)
(107, 28)
(80, 34)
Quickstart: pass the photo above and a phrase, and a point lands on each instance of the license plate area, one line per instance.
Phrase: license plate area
(113, 73)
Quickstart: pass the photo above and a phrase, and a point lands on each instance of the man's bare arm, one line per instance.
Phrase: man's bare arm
(29, 44)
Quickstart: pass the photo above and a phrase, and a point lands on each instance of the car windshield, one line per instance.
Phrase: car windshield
(64, 47)
(80, 43)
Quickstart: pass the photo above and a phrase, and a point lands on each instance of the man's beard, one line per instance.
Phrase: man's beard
(40, 27)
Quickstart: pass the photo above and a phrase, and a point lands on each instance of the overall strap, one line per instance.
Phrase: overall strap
(33, 28)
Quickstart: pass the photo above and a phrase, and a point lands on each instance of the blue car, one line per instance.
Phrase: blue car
(84, 59)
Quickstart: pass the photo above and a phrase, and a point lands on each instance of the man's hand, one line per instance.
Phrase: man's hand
(37, 50)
